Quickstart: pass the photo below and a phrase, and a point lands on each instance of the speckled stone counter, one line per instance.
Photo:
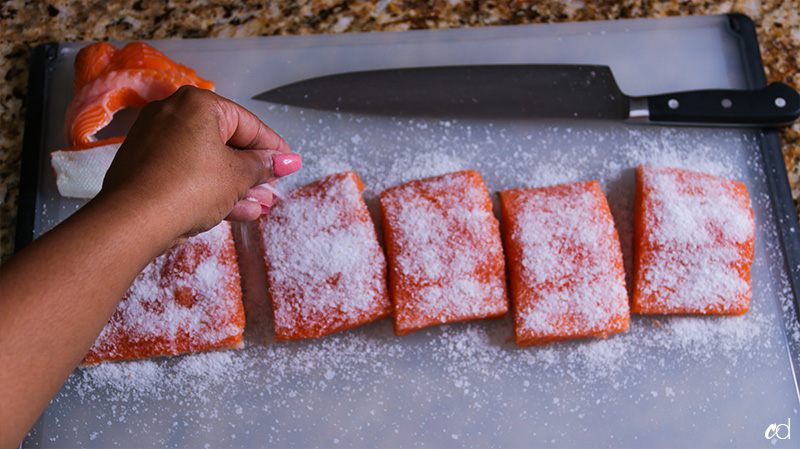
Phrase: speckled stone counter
(27, 23)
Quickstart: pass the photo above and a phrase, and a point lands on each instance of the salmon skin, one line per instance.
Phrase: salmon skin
(108, 80)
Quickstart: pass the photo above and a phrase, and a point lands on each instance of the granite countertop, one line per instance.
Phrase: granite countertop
(27, 23)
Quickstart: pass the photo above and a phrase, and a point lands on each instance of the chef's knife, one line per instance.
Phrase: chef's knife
(581, 91)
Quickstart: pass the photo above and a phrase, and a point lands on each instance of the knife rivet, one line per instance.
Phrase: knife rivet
(780, 102)
(673, 103)
(727, 103)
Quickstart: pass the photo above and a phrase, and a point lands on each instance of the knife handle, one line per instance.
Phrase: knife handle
(776, 104)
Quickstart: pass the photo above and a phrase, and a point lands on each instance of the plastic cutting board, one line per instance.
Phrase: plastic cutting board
(668, 382)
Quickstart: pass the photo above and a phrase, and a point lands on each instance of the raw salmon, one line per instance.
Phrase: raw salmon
(326, 271)
(101, 57)
(188, 299)
(694, 241)
(108, 80)
(444, 252)
(94, 107)
(91, 62)
(565, 267)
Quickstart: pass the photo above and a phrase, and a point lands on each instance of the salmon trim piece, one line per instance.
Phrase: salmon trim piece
(108, 80)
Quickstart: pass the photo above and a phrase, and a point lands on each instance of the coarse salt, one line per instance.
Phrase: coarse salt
(565, 263)
(325, 268)
(187, 299)
(444, 250)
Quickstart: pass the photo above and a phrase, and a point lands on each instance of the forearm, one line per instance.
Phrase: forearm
(56, 295)
(188, 162)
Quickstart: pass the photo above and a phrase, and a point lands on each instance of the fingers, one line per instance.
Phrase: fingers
(267, 166)
(242, 129)
(240, 151)
(256, 202)
(259, 199)
(238, 127)
(244, 211)
(267, 155)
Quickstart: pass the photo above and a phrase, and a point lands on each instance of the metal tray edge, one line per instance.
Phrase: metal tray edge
(777, 181)
(42, 60)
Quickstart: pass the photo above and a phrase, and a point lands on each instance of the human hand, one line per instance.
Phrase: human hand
(199, 158)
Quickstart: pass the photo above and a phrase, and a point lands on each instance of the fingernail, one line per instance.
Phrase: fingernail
(264, 207)
(284, 164)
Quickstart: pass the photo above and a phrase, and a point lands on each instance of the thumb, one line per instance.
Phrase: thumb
(262, 166)
(265, 166)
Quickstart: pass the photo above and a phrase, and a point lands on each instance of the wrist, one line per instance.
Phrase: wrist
(144, 220)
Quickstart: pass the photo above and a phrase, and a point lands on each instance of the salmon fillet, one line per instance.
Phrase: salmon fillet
(694, 242)
(188, 299)
(565, 269)
(444, 252)
(325, 269)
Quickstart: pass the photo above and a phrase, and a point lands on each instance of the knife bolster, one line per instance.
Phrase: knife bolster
(639, 109)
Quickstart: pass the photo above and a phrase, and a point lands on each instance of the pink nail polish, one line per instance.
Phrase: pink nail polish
(264, 206)
(284, 164)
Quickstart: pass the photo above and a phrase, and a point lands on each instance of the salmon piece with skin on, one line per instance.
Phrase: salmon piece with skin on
(107, 80)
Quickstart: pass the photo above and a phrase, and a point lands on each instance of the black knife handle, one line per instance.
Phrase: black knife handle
(776, 104)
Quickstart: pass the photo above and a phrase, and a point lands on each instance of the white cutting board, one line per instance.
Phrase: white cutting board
(670, 382)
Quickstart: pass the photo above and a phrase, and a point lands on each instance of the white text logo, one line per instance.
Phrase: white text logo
(779, 431)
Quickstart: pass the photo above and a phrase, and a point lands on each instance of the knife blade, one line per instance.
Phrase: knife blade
(530, 90)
